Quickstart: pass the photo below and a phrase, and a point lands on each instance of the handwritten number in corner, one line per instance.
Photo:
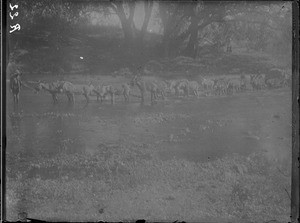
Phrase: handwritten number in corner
(15, 27)
(13, 7)
(12, 16)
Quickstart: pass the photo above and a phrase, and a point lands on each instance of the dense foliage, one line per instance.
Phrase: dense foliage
(55, 34)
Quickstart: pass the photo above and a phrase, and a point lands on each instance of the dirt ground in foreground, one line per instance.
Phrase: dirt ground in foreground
(189, 159)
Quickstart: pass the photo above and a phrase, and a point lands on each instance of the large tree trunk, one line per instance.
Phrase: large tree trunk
(170, 21)
(148, 5)
(127, 24)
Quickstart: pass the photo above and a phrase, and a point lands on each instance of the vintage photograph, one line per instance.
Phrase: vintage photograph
(158, 110)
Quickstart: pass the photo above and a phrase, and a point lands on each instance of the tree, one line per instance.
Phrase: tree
(173, 18)
(127, 22)
(183, 22)
(202, 16)
(125, 10)
(148, 5)
(263, 26)
(48, 24)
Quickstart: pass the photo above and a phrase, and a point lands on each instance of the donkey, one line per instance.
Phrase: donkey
(194, 87)
(189, 86)
(103, 90)
(234, 85)
(79, 89)
(181, 85)
(221, 86)
(52, 88)
(258, 81)
(162, 87)
(207, 84)
(145, 86)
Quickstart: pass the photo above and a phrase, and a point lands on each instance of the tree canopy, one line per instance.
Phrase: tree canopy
(151, 29)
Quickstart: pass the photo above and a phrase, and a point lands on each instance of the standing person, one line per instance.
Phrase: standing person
(15, 79)
(15, 86)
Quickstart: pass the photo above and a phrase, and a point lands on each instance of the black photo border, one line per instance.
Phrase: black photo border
(295, 207)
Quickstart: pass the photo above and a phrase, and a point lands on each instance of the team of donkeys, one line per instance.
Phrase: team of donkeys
(160, 88)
